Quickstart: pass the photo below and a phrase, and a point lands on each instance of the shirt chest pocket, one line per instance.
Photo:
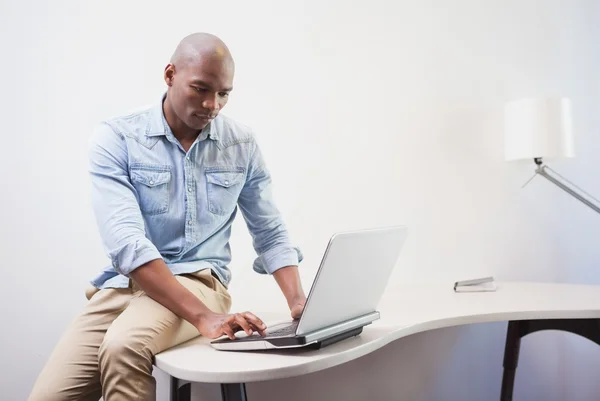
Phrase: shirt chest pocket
(152, 186)
(223, 188)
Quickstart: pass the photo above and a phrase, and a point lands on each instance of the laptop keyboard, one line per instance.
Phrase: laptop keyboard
(284, 331)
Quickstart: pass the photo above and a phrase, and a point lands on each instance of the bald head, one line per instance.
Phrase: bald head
(197, 46)
(199, 79)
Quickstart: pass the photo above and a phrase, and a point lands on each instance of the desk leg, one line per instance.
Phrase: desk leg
(233, 392)
(229, 391)
(183, 393)
(511, 359)
(517, 329)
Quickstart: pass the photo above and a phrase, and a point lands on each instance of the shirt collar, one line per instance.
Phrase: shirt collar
(158, 126)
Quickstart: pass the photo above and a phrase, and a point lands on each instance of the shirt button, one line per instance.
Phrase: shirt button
(151, 182)
(187, 158)
(189, 222)
(189, 189)
(226, 182)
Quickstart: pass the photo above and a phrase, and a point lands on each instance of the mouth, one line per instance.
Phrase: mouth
(204, 118)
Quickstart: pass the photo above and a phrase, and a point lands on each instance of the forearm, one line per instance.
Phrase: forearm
(160, 284)
(288, 280)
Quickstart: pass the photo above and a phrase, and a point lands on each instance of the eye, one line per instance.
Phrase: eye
(198, 89)
(223, 94)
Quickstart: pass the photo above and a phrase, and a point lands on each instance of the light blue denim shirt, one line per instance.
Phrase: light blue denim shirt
(153, 200)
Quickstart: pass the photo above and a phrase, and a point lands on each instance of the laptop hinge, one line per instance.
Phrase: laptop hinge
(341, 327)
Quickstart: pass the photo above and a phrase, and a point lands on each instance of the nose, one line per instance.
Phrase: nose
(211, 103)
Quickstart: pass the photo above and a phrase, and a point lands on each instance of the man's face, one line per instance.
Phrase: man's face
(199, 90)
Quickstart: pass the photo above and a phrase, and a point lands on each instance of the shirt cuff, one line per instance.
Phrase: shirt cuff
(132, 255)
(276, 258)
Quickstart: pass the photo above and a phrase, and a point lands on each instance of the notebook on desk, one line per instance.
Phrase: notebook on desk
(343, 298)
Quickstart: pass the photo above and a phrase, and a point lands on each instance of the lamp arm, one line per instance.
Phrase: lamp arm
(589, 201)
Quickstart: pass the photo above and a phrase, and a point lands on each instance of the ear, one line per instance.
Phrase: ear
(169, 74)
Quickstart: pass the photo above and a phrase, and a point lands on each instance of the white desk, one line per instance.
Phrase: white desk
(528, 307)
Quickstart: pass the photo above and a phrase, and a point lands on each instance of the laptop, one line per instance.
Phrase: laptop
(344, 295)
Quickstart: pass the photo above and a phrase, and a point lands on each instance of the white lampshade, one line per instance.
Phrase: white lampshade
(538, 127)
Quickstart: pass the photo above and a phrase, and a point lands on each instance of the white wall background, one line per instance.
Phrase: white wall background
(369, 113)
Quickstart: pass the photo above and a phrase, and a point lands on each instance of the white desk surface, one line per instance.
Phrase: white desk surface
(404, 311)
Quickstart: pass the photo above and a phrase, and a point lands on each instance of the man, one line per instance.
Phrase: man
(166, 184)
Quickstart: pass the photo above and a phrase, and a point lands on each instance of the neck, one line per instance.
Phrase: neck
(181, 131)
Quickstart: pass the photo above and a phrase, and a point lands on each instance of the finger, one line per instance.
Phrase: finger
(226, 329)
(251, 317)
(258, 330)
(241, 320)
(297, 311)
(256, 322)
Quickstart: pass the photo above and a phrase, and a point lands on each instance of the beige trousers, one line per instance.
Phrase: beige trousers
(108, 349)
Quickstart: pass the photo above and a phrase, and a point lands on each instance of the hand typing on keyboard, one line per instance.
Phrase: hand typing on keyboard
(214, 325)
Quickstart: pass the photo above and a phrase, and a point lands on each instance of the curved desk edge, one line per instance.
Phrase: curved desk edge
(349, 350)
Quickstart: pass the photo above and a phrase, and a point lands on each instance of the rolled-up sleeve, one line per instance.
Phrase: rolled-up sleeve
(115, 204)
(270, 236)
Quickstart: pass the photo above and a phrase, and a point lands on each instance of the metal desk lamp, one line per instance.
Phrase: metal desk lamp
(538, 128)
